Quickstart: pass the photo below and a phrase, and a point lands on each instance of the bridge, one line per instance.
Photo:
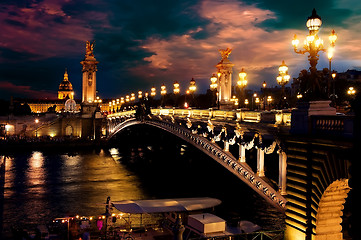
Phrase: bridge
(312, 182)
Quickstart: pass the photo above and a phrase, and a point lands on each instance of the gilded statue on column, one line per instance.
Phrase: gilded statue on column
(225, 53)
(89, 48)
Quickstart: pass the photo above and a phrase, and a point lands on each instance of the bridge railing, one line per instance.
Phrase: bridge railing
(338, 126)
(277, 117)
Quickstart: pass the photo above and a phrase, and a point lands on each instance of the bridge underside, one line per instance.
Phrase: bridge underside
(313, 164)
(225, 158)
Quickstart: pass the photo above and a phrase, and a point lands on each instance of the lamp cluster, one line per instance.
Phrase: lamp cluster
(313, 43)
(115, 103)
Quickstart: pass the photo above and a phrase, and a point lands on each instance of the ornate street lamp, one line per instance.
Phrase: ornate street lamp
(153, 92)
(214, 87)
(282, 79)
(269, 101)
(36, 127)
(351, 91)
(192, 85)
(132, 96)
(242, 82)
(163, 92)
(214, 83)
(313, 45)
(176, 89)
(140, 94)
(264, 85)
(192, 88)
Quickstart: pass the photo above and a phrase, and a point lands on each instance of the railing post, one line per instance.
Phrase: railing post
(242, 153)
(282, 157)
(260, 162)
(226, 146)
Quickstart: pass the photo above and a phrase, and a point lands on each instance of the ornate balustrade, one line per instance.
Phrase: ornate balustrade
(337, 126)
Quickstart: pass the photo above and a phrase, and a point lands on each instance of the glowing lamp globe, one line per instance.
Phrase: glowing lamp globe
(314, 21)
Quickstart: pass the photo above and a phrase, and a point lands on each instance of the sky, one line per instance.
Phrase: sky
(144, 43)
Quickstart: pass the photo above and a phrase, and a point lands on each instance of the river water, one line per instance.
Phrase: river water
(141, 163)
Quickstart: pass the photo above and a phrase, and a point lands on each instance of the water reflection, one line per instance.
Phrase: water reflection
(35, 172)
(40, 186)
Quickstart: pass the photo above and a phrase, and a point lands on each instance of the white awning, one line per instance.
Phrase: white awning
(165, 205)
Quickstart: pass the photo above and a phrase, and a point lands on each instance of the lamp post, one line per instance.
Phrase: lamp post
(36, 127)
(152, 92)
(282, 79)
(253, 104)
(176, 91)
(132, 96)
(313, 45)
(333, 75)
(331, 49)
(163, 92)
(242, 83)
(214, 89)
(192, 85)
(264, 85)
(192, 88)
(269, 101)
(351, 91)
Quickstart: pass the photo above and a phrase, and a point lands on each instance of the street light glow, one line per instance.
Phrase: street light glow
(192, 85)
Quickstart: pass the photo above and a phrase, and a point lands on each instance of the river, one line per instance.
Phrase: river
(141, 163)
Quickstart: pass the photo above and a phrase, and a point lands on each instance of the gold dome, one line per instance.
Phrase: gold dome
(65, 88)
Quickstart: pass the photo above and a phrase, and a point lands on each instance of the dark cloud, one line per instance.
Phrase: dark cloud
(140, 43)
(15, 23)
(13, 56)
(292, 14)
(41, 75)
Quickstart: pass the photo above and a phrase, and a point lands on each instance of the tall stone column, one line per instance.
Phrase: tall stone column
(224, 68)
(89, 74)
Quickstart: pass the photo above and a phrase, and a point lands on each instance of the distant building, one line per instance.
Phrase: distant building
(66, 88)
(65, 92)
(350, 76)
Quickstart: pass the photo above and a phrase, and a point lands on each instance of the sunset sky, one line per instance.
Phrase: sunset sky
(141, 43)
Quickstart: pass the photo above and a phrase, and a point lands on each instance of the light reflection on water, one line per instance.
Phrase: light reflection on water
(42, 186)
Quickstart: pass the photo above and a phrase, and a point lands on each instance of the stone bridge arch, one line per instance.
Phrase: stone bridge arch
(226, 159)
(329, 214)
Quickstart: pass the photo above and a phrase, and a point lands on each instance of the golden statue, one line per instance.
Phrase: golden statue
(89, 48)
(225, 53)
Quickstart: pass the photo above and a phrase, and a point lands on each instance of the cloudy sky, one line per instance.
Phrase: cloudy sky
(141, 43)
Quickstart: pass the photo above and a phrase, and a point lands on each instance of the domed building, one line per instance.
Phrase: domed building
(66, 88)
(65, 92)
